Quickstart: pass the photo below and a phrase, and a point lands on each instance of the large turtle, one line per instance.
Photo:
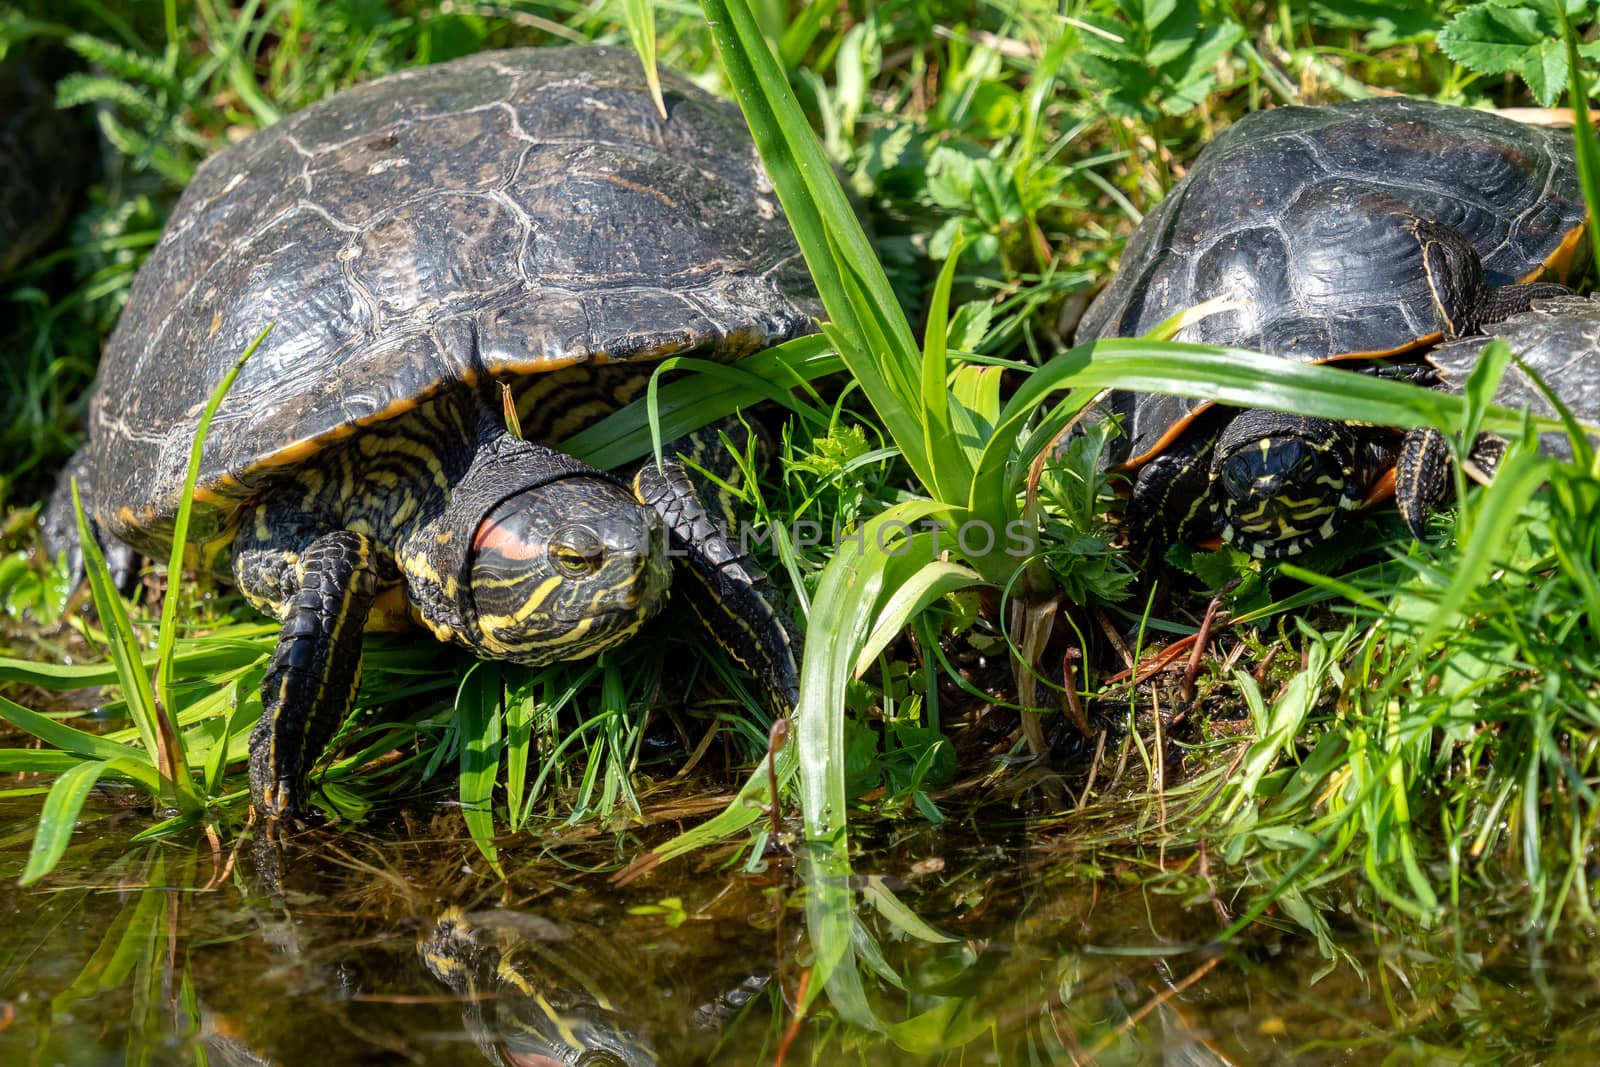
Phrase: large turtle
(522, 217)
(1349, 232)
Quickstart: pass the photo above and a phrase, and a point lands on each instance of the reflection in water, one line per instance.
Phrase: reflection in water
(535, 992)
(528, 994)
(404, 955)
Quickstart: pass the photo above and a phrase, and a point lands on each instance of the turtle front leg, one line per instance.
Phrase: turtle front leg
(1422, 472)
(323, 596)
(1170, 502)
(732, 596)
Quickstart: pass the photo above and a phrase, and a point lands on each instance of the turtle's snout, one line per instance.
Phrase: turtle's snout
(1278, 495)
(565, 570)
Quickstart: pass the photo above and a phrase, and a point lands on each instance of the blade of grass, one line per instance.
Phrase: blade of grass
(59, 817)
(478, 722)
(175, 765)
(121, 642)
(640, 17)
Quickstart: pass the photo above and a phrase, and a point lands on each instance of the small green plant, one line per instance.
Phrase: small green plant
(1521, 37)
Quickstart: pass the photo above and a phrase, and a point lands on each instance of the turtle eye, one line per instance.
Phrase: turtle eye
(1237, 478)
(576, 551)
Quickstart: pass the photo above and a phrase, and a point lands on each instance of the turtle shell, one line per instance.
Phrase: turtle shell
(44, 155)
(1298, 212)
(507, 214)
(1559, 341)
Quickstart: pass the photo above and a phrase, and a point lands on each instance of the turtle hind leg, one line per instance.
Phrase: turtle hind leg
(311, 680)
(1464, 304)
(732, 596)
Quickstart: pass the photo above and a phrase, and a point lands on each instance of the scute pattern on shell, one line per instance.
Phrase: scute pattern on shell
(1294, 211)
(1559, 340)
(500, 215)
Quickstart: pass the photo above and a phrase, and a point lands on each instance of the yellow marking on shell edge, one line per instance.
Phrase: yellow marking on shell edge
(1559, 263)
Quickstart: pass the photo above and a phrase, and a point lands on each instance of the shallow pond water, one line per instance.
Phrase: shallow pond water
(403, 948)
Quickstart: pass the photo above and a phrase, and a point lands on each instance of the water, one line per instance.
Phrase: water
(404, 948)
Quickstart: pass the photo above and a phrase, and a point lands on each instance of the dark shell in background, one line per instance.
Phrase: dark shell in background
(1300, 211)
(1559, 340)
(505, 214)
(44, 154)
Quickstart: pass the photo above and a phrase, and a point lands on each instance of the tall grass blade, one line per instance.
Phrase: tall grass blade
(173, 762)
(640, 17)
(123, 645)
(847, 609)
(1587, 144)
(478, 723)
(57, 733)
(58, 817)
(872, 334)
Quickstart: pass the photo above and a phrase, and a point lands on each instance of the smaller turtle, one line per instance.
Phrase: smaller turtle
(1558, 342)
(1355, 232)
(1268, 468)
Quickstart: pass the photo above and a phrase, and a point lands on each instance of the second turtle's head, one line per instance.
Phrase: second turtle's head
(563, 570)
(1282, 483)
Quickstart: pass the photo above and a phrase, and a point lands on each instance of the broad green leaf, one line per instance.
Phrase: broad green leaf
(1495, 38)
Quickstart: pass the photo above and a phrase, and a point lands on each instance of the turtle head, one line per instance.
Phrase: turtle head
(1282, 483)
(1457, 287)
(564, 570)
(537, 558)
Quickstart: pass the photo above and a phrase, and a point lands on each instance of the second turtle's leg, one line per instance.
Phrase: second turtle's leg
(323, 597)
(732, 596)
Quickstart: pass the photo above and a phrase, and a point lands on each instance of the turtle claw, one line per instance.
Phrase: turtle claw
(1420, 472)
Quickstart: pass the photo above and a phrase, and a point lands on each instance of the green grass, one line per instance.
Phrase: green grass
(999, 154)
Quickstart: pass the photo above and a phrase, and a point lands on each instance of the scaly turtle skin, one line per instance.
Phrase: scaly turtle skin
(1322, 221)
(1557, 340)
(522, 217)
